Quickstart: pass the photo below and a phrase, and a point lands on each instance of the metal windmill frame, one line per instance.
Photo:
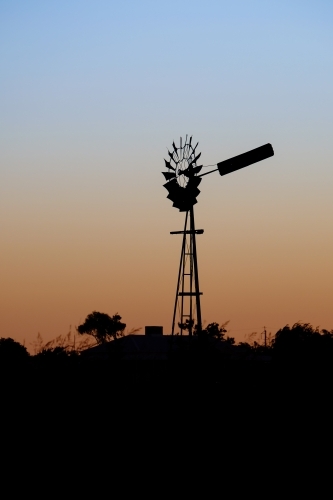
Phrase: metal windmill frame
(183, 178)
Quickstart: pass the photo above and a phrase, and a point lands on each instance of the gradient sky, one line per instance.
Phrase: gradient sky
(92, 94)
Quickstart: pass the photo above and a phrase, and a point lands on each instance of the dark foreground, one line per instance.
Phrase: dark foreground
(201, 415)
(224, 391)
(207, 398)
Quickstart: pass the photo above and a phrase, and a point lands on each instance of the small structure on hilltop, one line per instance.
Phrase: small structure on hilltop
(153, 330)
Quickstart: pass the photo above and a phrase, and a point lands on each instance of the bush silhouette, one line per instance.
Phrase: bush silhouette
(12, 351)
(302, 342)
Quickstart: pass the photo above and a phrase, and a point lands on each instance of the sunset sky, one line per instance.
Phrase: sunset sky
(92, 95)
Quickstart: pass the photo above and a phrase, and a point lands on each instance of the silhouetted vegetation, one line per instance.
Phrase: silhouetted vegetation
(205, 383)
(300, 343)
(297, 361)
(212, 331)
(102, 326)
(215, 331)
(303, 343)
(12, 351)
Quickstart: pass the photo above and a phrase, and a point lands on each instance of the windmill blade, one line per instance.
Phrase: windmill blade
(168, 165)
(172, 186)
(245, 159)
(197, 169)
(192, 194)
(189, 172)
(174, 189)
(183, 198)
(171, 156)
(169, 175)
(193, 182)
(195, 159)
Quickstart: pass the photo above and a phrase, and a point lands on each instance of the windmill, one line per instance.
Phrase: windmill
(183, 178)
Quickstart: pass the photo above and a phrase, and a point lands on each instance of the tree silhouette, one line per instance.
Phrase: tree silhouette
(12, 351)
(214, 330)
(102, 327)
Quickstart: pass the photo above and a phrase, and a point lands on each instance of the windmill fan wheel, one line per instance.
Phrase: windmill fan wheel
(182, 175)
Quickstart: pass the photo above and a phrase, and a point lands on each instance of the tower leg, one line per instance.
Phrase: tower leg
(195, 269)
(180, 276)
(188, 279)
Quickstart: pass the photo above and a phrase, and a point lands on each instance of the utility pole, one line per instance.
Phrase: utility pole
(265, 336)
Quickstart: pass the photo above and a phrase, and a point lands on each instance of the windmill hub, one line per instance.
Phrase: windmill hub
(182, 175)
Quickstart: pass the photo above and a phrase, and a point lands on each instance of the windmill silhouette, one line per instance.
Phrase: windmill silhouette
(183, 179)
